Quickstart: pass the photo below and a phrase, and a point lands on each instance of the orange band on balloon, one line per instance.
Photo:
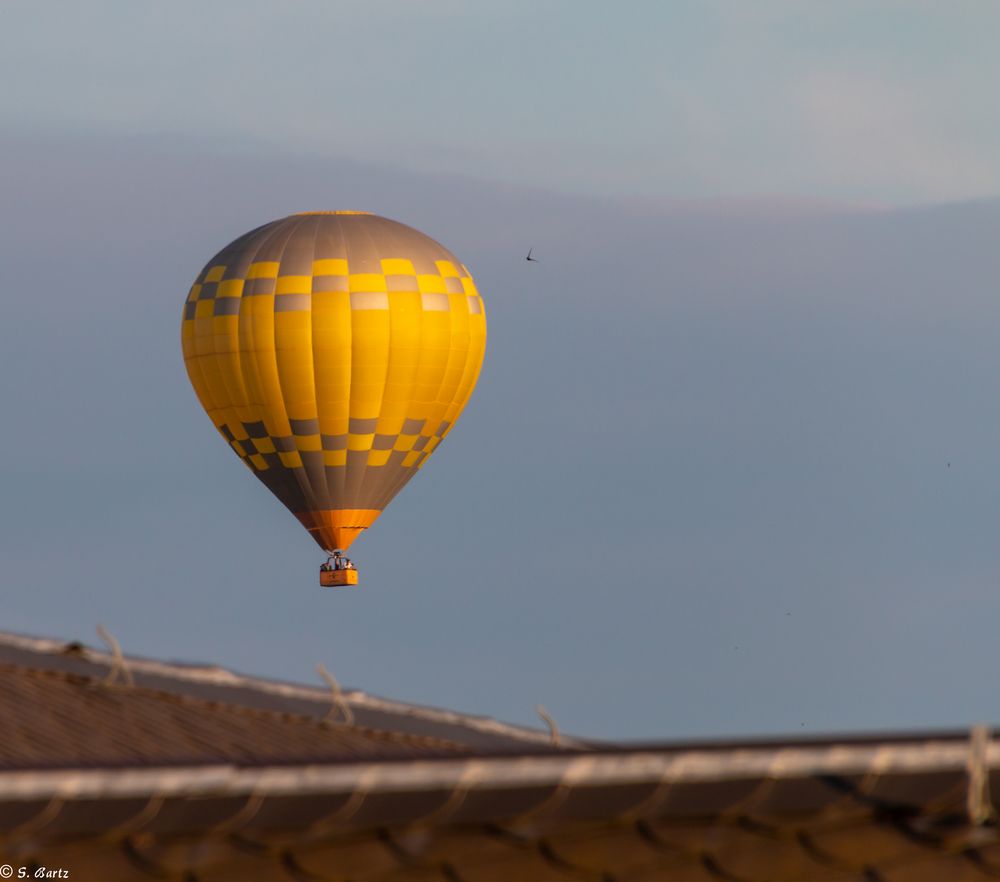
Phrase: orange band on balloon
(337, 528)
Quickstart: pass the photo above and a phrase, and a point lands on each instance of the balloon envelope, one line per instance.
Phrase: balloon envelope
(334, 351)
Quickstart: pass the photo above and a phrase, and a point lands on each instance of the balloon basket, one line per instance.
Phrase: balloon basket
(337, 578)
(337, 571)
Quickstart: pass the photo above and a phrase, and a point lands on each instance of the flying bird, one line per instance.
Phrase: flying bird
(529, 257)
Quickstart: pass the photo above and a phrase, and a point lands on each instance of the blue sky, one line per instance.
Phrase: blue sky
(733, 463)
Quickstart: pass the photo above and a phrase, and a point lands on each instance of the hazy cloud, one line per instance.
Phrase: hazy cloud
(883, 136)
(849, 101)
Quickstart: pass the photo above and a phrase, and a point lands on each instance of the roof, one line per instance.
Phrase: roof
(847, 811)
(54, 719)
(188, 796)
(215, 684)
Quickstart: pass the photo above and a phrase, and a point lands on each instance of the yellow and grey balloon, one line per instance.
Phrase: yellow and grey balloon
(334, 351)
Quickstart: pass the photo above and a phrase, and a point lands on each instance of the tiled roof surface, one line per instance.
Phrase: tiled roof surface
(905, 819)
(54, 719)
(215, 684)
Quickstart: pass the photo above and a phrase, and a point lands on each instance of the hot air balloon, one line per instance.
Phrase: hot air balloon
(334, 351)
